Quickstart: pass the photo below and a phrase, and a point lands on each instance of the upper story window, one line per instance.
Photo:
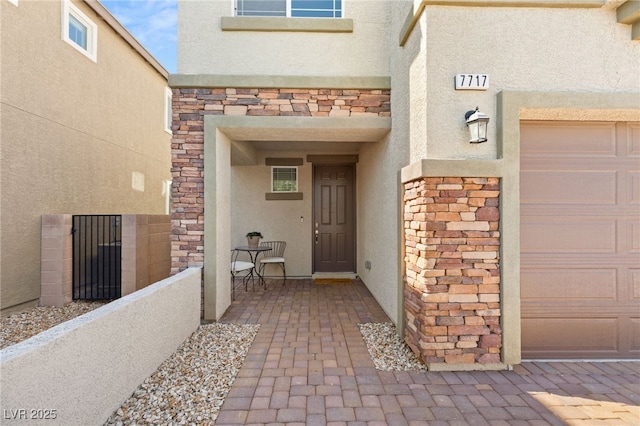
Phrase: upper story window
(79, 31)
(290, 8)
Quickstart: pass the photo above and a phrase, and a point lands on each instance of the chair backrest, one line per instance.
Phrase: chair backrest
(276, 248)
(234, 256)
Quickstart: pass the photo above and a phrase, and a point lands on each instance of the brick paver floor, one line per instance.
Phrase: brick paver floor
(309, 365)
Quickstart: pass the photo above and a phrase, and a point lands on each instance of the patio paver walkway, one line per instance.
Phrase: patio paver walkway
(309, 365)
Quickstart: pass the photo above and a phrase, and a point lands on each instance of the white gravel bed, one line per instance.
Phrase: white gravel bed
(387, 350)
(190, 387)
(20, 326)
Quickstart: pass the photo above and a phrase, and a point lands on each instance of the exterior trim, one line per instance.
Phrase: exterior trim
(628, 12)
(277, 196)
(332, 159)
(452, 168)
(286, 24)
(412, 21)
(277, 81)
(270, 161)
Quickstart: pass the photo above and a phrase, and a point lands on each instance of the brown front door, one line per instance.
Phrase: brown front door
(333, 219)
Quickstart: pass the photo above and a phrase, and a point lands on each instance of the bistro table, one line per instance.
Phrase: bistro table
(253, 254)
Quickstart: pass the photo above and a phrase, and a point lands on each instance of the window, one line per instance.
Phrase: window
(284, 179)
(168, 112)
(79, 31)
(15, 2)
(291, 8)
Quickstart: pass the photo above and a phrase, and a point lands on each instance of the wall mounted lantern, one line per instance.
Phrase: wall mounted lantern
(477, 124)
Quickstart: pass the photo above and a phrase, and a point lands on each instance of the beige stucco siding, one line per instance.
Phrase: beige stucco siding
(379, 215)
(362, 52)
(531, 49)
(74, 134)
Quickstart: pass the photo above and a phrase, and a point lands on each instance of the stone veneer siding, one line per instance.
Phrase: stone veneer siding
(190, 106)
(452, 283)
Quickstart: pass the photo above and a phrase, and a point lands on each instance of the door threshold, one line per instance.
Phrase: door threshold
(345, 275)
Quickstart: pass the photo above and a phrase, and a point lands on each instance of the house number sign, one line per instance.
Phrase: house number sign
(472, 81)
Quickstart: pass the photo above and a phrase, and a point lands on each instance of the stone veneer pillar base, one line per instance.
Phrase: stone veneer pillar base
(452, 277)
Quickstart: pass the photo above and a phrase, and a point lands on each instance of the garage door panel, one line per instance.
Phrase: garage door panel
(569, 335)
(568, 236)
(542, 187)
(633, 131)
(633, 229)
(634, 330)
(634, 280)
(569, 284)
(633, 193)
(596, 139)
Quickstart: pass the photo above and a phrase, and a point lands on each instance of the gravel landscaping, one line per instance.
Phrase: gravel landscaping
(20, 326)
(387, 350)
(190, 386)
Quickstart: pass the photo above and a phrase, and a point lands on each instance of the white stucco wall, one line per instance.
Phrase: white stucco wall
(529, 49)
(85, 368)
(202, 44)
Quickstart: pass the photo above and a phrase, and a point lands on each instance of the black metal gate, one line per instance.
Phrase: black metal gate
(97, 257)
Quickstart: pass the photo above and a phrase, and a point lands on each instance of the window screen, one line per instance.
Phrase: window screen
(77, 32)
(293, 8)
(284, 179)
(262, 7)
(316, 8)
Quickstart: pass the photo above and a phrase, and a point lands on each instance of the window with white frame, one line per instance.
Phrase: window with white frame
(290, 8)
(79, 31)
(168, 112)
(284, 179)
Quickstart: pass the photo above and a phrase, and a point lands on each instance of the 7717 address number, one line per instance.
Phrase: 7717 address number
(472, 81)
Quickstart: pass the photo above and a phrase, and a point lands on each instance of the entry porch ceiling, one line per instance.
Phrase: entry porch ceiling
(317, 136)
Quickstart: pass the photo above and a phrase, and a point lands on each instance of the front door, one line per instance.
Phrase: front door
(333, 219)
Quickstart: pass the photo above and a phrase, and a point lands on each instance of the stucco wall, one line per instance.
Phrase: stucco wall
(87, 367)
(276, 219)
(74, 132)
(378, 217)
(530, 49)
(202, 43)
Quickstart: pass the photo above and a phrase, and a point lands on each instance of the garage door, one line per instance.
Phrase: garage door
(580, 240)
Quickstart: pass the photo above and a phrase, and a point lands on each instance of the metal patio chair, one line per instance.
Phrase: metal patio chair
(237, 267)
(275, 256)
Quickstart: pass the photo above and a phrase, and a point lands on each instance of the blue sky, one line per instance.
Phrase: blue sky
(154, 23)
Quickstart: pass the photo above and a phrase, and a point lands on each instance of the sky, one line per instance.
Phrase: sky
(154, 23)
